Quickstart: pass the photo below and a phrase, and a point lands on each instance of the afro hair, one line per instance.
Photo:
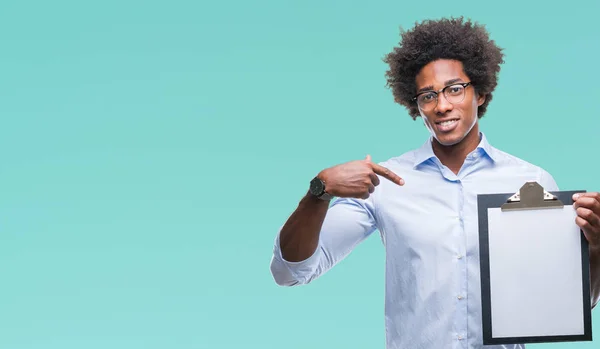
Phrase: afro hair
(454, 39)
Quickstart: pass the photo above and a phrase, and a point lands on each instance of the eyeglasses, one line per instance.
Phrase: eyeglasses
(454, 93)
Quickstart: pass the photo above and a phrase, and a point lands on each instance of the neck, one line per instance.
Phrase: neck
(454, 156)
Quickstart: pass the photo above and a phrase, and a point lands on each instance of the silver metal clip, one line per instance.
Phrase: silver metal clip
(531, 196)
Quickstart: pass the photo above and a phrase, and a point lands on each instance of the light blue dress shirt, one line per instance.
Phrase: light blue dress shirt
(429, 228)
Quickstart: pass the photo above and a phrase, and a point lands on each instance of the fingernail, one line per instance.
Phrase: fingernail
(575, 196)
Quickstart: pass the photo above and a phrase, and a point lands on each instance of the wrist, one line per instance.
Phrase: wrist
(310, 198)
(318, 188)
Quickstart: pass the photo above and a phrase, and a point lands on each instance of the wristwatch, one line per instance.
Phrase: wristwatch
(317, 188)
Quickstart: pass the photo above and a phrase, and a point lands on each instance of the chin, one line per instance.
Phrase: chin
(450, 134)
(449, 139)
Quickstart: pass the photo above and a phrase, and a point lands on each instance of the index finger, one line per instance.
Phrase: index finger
(387, 173)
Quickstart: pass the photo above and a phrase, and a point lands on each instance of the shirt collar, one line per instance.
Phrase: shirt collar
(425, 152)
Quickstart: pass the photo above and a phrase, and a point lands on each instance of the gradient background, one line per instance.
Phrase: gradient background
(151, 149)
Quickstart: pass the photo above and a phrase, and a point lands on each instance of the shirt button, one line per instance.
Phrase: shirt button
(460, 338)
(459, 256)
(460, 297)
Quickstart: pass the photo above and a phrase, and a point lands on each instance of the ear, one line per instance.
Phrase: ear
(481, 99)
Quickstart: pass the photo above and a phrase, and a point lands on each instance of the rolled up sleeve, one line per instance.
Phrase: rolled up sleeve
(348, 223)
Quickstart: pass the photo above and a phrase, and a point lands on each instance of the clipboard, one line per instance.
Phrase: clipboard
(535, 273)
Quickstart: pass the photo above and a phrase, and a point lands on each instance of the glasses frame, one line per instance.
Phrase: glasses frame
(443, 92)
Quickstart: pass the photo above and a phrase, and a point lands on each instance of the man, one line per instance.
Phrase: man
(424, 202)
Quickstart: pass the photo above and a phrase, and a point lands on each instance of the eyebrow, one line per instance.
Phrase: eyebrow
(449, 82)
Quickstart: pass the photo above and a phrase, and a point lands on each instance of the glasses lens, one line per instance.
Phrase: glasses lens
(454, 93)
(427, 100)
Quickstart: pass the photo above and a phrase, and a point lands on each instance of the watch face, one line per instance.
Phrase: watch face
(316, 187)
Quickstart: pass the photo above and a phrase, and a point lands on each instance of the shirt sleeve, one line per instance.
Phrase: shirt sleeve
(348, 222)
(547, 181)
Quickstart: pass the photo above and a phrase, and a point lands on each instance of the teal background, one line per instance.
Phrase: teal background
(150, 150)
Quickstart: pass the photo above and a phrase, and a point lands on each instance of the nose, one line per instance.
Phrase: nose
(443, 106)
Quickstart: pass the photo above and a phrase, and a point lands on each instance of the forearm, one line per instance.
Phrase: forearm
(299, 237)
(595, 274)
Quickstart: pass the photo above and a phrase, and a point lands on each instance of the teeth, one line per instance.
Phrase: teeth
(446, 123)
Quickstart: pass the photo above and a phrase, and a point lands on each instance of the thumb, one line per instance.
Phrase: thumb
(577, 196)
(368, 158)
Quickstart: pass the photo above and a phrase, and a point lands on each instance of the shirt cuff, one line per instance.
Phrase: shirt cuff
(300, 271)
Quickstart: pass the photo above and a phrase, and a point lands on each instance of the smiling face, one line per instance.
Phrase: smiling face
(454, 117)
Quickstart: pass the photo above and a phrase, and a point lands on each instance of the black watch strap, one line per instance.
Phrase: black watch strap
(325, 196)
